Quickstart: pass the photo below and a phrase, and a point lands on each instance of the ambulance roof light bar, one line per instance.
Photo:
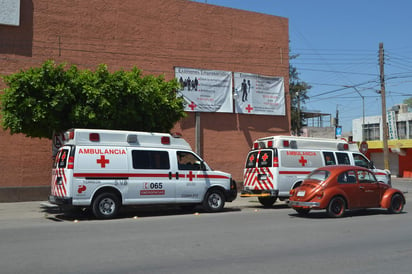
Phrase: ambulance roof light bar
(94, 137)
(343, 146)
(165, 140)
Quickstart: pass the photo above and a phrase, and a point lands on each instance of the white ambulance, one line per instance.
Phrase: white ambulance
(277, 164)
(107, 169)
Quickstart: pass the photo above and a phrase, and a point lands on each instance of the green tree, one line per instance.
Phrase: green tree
(51, 98)
(408, 102)
(298, 94)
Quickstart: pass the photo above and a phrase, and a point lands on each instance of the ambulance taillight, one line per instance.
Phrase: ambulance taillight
(69, 135)
(165, 140)
(275, 162)
(70, 164)
(94, 137)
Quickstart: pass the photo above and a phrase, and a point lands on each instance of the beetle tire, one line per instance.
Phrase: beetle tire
(267, 201)
(302, 211)
(106, 206)
(336, 207)
(214, 201)
(397, 204)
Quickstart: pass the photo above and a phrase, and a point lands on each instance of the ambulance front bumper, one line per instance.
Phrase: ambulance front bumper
(60, 200)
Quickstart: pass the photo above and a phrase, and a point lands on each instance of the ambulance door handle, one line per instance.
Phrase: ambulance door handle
(170, 175)
(177, 175)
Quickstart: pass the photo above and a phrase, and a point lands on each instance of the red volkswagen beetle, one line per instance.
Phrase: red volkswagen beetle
(338, 188)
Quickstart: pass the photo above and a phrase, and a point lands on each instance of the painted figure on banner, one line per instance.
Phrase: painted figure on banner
(245, 90)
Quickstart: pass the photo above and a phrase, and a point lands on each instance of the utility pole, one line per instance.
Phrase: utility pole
(299, 122)
(383, 96)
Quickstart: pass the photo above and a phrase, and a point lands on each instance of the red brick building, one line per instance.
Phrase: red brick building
(155, 36)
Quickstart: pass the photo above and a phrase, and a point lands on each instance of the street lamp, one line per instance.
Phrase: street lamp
(363, 108)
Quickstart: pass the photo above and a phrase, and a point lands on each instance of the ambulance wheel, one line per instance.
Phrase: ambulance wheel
(267, 201)
(106, 205)
(214, 201)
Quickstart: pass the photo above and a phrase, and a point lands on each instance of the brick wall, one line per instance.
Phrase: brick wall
(155, 36)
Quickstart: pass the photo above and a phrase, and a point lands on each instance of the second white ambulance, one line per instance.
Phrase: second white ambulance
(107, 169)
(277, 164)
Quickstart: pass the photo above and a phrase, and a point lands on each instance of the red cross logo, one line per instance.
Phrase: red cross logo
(190, 176)
(192, 105)
(251, 158)
(303, 161)
(249, 108)
(103, 161)
(63, 156)
(265, 157)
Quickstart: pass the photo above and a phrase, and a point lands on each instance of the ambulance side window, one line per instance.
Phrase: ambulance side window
(329, 158)
(343, 158)
(360, 160)
(188, 161)
(148, 159)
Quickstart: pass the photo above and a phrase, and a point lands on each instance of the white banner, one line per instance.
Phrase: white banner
(393, 130)
(257, 94)
(205, 90)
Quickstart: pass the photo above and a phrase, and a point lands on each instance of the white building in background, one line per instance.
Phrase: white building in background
(399, 142)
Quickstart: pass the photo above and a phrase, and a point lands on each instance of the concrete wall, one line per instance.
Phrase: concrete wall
(155, 36)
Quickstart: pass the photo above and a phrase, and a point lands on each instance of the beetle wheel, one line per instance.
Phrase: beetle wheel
(397, 204)
(302, 211)
(336, 207)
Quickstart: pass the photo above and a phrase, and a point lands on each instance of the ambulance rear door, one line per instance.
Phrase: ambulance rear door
(62, 174)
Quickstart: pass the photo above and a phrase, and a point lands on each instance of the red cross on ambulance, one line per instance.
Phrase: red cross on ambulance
(102, 161)
(190, 176)
(303, 161)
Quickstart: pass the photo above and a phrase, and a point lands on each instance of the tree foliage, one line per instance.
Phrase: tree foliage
(408, 101)
(298, 94)
(51, 98)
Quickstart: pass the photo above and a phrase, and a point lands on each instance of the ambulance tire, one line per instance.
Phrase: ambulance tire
(106, 205)
(267, 201)
(214, 201)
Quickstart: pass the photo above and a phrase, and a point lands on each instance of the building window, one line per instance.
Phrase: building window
(410, 130)
(372, 132)
(401, 130)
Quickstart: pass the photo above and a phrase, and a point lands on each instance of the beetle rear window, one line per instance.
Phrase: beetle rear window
(319, 175)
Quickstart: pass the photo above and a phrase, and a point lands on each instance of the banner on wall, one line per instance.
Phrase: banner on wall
(205, 90)
(257, 94)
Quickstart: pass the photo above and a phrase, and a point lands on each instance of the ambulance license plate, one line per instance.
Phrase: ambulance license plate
(300, 193)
